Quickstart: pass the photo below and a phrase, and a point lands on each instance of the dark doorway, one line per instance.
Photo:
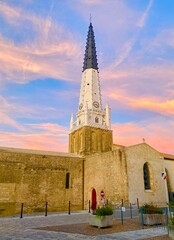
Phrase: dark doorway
(94, 200)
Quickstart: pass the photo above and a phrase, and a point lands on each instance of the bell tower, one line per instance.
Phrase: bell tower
(90, 130)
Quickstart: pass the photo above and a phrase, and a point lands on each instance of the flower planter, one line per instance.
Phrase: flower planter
(101, 221)
(153, 219)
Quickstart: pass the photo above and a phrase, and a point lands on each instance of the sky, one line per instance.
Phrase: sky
(42, 45)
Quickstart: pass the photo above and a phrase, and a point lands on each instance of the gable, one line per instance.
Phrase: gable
(143, 151)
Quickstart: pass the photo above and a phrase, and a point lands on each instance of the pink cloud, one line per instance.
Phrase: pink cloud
(40, 141)
(43, 136)
(151, 104)
(49, 55)
(5, 114)
(9, 13)
(25, 63)
(140, 87)
(157, 133)
(50, 128)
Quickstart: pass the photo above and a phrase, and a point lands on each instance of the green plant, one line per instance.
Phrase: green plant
(171, 223)
(150, 209)
(171, 204)
(172, 220)
(103, 211)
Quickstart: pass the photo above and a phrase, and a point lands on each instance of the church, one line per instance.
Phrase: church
(94, 170)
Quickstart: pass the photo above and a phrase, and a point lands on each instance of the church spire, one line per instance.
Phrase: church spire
(90, 58)
(90, 129)
(90, 112)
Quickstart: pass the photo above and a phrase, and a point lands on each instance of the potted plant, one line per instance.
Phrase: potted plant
(103, 217)
(171, 227)
(171, 207)
(171, 219)
(151, 215)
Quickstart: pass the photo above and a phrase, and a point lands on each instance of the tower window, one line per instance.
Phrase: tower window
(87, 83)
(96, 120)
(146, 177)
(67, 180)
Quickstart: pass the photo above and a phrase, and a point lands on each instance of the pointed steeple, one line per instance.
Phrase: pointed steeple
(90, 129)
(90, 112)
(90, 58)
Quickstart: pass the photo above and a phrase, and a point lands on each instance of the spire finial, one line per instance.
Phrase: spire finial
(90, 18)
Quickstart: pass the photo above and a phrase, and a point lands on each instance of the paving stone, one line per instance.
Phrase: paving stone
(25, 229)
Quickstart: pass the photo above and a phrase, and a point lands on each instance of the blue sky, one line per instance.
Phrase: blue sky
(42, 46)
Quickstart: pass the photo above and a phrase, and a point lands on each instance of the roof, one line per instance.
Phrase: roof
(167, 156)
(117, 146)
(39, 152)
(164, 155)
(90, 58)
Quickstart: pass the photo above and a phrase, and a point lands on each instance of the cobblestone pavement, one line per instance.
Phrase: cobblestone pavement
(13, 228)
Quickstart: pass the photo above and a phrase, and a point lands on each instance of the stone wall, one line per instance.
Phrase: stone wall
(87, 140)
(137, 156)
(34, 179)
(107, 172)
(169, 167)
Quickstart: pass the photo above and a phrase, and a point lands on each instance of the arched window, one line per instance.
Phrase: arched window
(146, 177)
(103, 142)
(67, 180)
(96, 120)
(94, 141)
(80, 143)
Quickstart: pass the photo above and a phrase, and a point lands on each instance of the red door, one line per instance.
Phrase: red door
(94, 200)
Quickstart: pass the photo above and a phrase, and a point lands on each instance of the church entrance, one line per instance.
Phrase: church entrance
(94, 200)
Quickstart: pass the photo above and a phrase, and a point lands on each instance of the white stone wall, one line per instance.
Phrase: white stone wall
(169, 166)
(137, 156)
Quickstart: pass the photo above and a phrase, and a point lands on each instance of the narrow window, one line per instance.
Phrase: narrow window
(96, 120)
(146, 177)
(104, 143)
(67, 180)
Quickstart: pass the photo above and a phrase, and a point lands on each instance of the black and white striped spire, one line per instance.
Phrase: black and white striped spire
(90, 58)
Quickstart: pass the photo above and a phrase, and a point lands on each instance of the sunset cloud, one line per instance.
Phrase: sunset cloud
(25, 63)
(34, 141)
(44, 57)
(42, 46)
(164, 108)
(158, 134)
(11, 14)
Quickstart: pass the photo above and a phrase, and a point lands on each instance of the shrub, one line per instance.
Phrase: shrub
(103, 211)
(150, 209)
(171, 204)
(171, 223)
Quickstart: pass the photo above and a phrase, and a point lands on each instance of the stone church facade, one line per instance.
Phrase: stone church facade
(93, 164)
